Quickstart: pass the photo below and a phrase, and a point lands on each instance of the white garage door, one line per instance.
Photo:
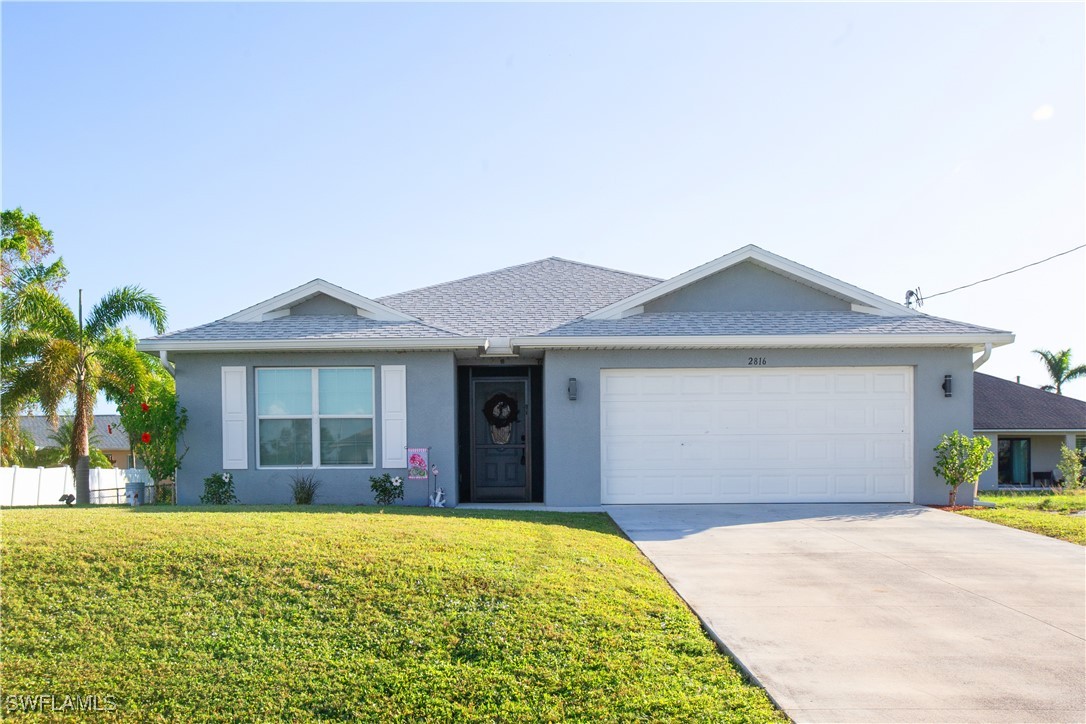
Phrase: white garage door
(757, 435)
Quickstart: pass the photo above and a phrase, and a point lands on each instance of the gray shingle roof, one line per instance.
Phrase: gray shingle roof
(761, 323)
(306, 327)
(519, 300)
(107, 428)
(548, 298)
(1004, 405)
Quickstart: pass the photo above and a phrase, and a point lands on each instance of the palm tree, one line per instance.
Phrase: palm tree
(17, 311)
(1059, 369)
(54, 354)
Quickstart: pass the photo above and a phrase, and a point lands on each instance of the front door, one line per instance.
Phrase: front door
(500, 440)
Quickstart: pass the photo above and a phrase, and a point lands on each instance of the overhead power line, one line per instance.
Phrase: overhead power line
(997, 276)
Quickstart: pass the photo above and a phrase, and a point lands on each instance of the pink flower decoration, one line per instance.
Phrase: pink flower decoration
(417, 461)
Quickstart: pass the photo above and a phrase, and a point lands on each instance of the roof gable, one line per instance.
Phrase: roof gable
(317, 297)
(1004, 405)
(747, 287)
(714, 276)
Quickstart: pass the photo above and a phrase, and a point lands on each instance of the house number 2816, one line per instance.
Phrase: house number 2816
(755, 361)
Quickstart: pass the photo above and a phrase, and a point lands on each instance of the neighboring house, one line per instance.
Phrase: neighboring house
(111, 437)
(748, 379)
(1027, 427)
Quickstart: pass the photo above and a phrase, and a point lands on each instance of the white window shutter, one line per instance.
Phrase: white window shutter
(235, 419)
(393, 416)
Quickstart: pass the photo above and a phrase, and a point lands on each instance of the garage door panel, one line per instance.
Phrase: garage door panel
(773, 450)
(891, 483)
(812, 451)
(813, 484)
(698, 418)
(850, 484)
(883, 382)
(659, 385)
(697, 385)
(776, 485)
(698, 486)
(812, 418)
(734, 418)
(850, 417)
(640, 453)
(772, 418)
(655, 488)
(892, 451)
(813, 384)
(774, 384)
(617, 386)
(757, 435)
(738, 384)
(734, 486)
(850, 383)
(889, 418)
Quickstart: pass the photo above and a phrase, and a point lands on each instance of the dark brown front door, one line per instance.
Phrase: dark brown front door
(501, 450)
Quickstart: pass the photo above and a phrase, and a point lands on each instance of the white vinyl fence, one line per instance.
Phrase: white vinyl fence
(45, 486)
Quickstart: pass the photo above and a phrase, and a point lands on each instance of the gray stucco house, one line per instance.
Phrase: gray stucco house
(748, 379)
(1027, 428)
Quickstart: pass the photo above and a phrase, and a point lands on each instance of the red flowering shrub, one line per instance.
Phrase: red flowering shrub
(155, 425)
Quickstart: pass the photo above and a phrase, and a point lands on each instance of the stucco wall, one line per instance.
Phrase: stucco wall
(431, 422)
(746, 287)
(572, 428)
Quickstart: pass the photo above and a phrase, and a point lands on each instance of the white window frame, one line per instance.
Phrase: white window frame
(315, 418)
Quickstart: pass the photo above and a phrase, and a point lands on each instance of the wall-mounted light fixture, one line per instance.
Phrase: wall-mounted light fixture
(946, 386)
(571, 389)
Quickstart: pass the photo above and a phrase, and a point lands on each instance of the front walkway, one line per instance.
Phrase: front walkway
(881, 613)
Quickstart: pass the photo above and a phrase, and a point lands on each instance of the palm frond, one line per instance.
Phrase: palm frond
(1075, 373)
(54, 374)
(121, 303)
(40, 308)
(120, 366)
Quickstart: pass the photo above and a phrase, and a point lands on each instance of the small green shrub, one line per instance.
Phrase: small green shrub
(386, 489)
(1070, 467)
(304, 486)
(961, 459)
(219, 489)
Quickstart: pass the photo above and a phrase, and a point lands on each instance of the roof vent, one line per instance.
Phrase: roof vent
(499, 347)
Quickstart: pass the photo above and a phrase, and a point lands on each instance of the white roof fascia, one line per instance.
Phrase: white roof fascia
(1029, 431)
(282, 345)
(273, 308)
(748, 341)
(771, 261)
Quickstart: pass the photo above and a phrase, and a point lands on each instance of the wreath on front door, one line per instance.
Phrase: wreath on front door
(501, 411)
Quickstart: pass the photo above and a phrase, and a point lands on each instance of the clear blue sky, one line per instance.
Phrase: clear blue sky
(221, 154)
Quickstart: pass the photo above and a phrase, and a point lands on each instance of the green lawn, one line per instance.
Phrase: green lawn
(337, 613)
(1041, 512)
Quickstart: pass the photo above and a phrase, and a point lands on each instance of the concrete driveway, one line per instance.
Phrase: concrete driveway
(881, 613)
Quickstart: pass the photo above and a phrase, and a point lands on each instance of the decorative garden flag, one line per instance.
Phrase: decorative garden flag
(417, 466)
